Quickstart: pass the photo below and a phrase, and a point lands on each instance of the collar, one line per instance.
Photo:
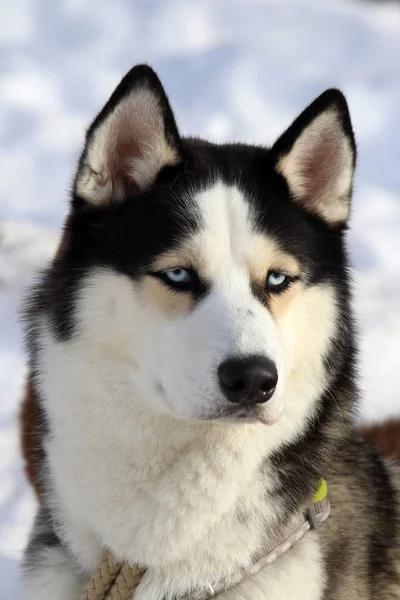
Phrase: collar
(118, 581)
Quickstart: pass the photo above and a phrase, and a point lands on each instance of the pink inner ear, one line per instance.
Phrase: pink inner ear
(118, 163)
(123, 146)
(322, 166)
(132, 134)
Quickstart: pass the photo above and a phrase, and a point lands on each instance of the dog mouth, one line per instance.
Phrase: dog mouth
(237, 413)
(229, 413)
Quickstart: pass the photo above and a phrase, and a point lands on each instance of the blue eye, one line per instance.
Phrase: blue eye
(177, 276)
(277, 282)
(183, 280)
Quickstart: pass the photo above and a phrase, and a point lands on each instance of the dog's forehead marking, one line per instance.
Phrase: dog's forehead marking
(228, 239)
(227, 231)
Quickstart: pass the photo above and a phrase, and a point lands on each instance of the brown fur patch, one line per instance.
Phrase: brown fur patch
(385, 437)
(269, 257)
(279, 303)
(170, 303)
(30, 423)
(30, 415)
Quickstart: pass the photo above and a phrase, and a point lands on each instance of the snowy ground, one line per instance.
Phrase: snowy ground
(237, 69)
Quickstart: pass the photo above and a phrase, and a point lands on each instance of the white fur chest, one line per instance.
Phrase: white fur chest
(186, 517)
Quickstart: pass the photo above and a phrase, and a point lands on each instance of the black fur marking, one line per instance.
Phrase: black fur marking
(384, 538)
(43, 537)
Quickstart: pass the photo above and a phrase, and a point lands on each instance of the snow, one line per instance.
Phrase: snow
(237, 69)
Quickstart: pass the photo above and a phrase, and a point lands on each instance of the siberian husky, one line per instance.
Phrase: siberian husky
(193, 367)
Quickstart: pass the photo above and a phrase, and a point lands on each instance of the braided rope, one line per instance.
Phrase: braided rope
(112, 581)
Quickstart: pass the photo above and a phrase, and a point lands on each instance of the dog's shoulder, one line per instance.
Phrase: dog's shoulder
(363, 531)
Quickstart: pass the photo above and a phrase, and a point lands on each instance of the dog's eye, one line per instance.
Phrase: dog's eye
(277, 282)
(179, 279)
(177, 276)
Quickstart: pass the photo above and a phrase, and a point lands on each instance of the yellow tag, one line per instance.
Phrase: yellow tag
(321, 492)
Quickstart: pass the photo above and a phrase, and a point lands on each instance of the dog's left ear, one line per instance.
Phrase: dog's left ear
(316, 156)
(129, 142)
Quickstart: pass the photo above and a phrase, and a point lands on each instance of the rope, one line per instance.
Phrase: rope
(112, 581)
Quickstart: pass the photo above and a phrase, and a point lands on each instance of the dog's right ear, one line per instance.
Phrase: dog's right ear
(129, 142)
(316, 156)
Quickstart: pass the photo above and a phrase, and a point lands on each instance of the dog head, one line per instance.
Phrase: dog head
(212, 275)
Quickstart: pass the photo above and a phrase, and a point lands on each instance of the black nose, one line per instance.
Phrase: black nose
(248, 380)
